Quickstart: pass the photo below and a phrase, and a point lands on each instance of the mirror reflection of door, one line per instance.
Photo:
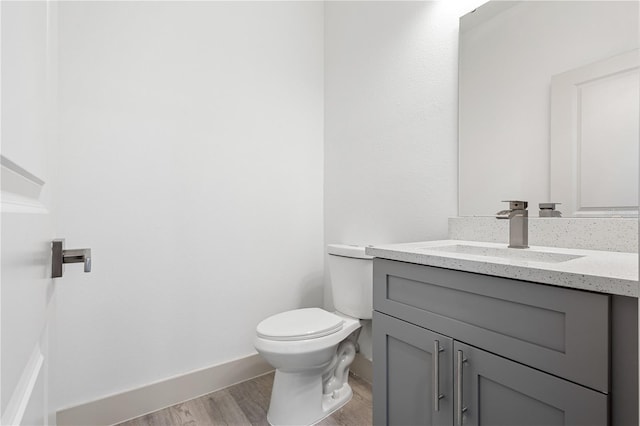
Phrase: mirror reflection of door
(594, 137)
(509, 52)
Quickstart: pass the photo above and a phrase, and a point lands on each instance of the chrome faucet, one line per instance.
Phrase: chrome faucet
(518, 223)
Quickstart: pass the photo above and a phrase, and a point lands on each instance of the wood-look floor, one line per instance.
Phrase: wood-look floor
(247, 404)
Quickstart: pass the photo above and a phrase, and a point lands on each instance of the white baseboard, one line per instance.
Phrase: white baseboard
(362, 367)
(147, 399)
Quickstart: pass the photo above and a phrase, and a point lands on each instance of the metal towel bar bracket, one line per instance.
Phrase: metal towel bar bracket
(60, 256)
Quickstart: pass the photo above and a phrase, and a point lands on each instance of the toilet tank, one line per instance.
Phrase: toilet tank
(351, 273)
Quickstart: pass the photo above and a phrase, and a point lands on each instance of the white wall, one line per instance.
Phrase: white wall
(191, 163)
(193, 148)
(390, 122)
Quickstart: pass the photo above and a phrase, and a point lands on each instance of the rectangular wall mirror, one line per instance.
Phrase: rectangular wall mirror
(549, 107)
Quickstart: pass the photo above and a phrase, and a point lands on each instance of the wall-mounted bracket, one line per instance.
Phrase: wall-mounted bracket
(60, 256)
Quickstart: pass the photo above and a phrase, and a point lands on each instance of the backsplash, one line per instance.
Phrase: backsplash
(610, 234)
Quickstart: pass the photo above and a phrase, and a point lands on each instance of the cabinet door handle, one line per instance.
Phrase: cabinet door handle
(460, 409)
(437, 396)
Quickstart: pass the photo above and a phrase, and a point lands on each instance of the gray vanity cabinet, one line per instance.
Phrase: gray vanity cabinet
(412, 375)
(533, 354)
(500, 392)
(495, 391)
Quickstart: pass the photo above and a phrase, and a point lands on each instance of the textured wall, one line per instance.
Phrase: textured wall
(390, 121)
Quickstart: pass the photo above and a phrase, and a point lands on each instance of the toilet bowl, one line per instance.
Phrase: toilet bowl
(312, 349)
(308, 369)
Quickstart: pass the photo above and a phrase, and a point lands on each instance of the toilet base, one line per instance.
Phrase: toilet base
(295, 399)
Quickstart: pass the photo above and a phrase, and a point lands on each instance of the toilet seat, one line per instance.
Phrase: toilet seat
(300, 324)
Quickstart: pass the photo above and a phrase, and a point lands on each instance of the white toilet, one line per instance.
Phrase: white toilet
(312, 349)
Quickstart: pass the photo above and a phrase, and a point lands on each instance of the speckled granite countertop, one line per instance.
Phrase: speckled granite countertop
(594, 270)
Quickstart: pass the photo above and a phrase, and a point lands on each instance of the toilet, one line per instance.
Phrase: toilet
(312, 349)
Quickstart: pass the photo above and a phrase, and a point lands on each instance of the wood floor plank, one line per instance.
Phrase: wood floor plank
(253, 399)
(223, 409)
(190, 413)
(356, 412)
(265, 383)
(247, 403)
(361, 388)
(183, 415)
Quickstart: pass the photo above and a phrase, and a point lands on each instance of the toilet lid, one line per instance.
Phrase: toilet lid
(300, 324)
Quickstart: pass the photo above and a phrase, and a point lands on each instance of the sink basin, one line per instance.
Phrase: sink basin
(505, 253)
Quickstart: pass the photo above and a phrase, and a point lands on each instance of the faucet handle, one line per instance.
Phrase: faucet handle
(549, 210)
(516, 204)
(549, 206)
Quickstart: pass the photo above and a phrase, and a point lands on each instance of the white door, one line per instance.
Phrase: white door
(27, 293)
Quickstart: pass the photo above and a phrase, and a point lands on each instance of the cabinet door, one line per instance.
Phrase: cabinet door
(409, 373)
(500, 392)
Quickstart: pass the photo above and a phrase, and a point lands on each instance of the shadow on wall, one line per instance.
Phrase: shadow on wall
(312, 291)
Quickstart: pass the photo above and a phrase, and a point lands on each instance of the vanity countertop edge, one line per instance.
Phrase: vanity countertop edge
(592, 270)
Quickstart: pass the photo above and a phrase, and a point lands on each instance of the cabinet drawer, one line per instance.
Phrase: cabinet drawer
(562, 331)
